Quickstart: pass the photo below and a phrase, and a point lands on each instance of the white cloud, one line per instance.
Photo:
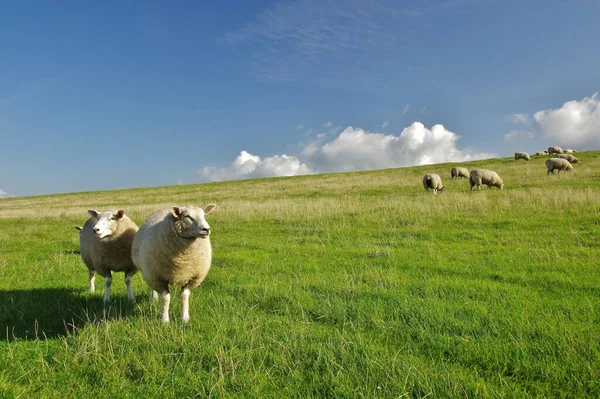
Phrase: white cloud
(406, 108)
(514, 134)
(248, 166)
(351, 150)
(357, 149)
(328, 124)
(385, 124)
(575, 124)
(524, 119)
(4, 194)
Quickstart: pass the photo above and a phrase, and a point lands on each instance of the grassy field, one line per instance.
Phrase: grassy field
(341, 285)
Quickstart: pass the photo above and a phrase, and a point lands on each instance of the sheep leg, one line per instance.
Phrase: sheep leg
(166, 300)
(107, 284)
(130, 295)
(185, 305)
(92, 284)
(153, 294)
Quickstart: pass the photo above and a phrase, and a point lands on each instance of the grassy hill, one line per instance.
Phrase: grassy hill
(341, 285)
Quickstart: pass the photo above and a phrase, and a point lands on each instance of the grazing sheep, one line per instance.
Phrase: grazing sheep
(105, 246)
(558, 164)
(522, 155)
(569, 151)
(477, 177)
(555, 150)
(173, 247)
(541, 153)
(569, 158)
(458, 171)
(431, 180)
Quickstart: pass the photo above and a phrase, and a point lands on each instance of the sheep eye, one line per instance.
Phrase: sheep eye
(188, 217)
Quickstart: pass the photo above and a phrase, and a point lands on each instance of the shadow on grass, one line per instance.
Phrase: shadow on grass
(52, 312)
(71, 252)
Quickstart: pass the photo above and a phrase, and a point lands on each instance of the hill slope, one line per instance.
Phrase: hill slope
(340, 285)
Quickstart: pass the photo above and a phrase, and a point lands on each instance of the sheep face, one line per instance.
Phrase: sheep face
(190, 221)
(106, 223)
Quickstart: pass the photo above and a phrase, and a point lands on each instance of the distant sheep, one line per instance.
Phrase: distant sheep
(555, 150)
(105, 246)
(569, 158)
(558, 164)
(458, 171)
(477, 177)
(433, 181)
(569, 151)
(522, 155)
(541, 153)
(173, 247)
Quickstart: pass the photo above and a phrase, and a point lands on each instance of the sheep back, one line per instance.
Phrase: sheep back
(522, 155)
(458, 171)
(477, 177)
(572, 159)
(555, 150)
(559, 164)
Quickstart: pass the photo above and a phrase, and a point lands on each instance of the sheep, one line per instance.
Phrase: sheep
(559, 164)
(541, 153)
(431, 180)
(522, 155)
(477, 177)
(105, 246)
(569, 151)
(172, 247)
(572, 159)
(458, 171)
(555, 150)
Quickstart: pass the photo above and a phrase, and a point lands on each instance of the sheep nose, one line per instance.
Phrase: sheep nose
(96, 230)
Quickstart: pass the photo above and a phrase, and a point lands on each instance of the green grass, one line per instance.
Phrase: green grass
(341, 285)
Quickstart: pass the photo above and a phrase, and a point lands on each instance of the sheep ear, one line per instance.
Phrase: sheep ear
(93, 213)
(175, 211)
(78, 228)
(120, 214)
(209, 208)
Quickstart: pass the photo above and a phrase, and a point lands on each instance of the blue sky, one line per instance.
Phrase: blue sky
(137, 94)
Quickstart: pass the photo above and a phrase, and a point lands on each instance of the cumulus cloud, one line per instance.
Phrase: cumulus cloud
(4, 194)
(351, 150)
(575, 124)
(524, 119)
(357, 149)
(515, 134)
(248, 166)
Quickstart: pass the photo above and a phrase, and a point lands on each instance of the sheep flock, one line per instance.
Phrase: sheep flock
(560, 160)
